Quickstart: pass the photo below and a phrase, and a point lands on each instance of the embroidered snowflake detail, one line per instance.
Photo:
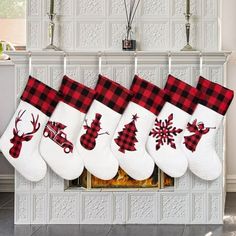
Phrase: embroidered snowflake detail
(164, 132)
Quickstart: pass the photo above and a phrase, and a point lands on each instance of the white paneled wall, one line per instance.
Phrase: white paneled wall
(100, 24)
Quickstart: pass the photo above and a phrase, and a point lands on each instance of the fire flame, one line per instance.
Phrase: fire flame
(123, 180)
(168, 181)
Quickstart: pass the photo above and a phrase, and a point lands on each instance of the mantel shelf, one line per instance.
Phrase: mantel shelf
(119, 57)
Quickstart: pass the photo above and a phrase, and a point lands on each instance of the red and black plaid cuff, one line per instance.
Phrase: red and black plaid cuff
(147, 95)
(76, 95)
(215, 96)
(40, 96)
(181, 94)
(112, 94)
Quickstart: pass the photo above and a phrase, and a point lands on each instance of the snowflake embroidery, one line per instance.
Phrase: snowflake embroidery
(165, 132)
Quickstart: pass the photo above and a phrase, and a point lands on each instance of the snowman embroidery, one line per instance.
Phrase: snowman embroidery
(88, 140)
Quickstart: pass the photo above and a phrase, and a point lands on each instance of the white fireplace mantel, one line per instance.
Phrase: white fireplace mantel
(191, 201)
(119, 57)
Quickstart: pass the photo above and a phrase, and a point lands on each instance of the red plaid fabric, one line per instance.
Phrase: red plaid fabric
(112, 94)
(18, 139)
(197, 130)
(88, 140)
(147, 95)
(127, 137)
(40, 96)
(216, 97)
(16, 149)
(76, 95)
(53, 130)
(181, 94)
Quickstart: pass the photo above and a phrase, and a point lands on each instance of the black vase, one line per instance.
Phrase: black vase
(129, 45)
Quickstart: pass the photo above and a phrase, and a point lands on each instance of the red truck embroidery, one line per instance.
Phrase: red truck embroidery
(53, 130)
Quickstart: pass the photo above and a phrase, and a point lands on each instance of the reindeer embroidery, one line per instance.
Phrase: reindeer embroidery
(17, 140)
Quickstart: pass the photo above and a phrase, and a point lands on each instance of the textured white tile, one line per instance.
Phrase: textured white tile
(34, 8)
(22, 211)
(142, 208)
(174, 207)
(215, 74)
(90, 7)
(215, 185)
(149, 73)
(62, 7)
(198, 213)
(178, 31)
(215, 210)
(154, 34)
(21, 183)
(96, 208)
(210, 8)
(39, 208)
(34, 37)
(117, 33)
(41, 73)
(89, 75)
(116, 8)
(63, 208)
(179, 7)
(119, 208)
(22, 75)
(210, 35)
(183, 183)
(198, 184)
(155, 8)
(55, 183)
(91, 35)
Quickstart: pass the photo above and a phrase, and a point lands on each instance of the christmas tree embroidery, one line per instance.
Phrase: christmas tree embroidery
(198, 129)
(164, 132)
(127, 137)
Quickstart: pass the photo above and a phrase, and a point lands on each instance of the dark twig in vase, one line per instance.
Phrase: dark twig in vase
(134, 12)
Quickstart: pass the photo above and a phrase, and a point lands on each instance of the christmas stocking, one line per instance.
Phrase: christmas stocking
(60, 133)
(20, 141)
(129, 141)
(164, 142)
(99, 125)
(199, 137)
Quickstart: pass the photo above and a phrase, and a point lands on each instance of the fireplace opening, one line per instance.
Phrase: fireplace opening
(122, 180)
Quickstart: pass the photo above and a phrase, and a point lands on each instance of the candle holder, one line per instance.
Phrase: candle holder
(51, 46)
(188, 47)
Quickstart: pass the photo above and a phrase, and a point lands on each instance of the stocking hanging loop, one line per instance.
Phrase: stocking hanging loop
(135, 63)
(30, 63)
(200, 66)
(100, 62)
(169, 62)
(64, 63)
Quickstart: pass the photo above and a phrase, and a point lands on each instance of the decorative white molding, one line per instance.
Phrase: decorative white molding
(231, 183)
(7, 183)
(113, 57)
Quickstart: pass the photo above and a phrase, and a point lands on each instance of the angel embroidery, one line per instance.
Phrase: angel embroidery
(198, 129)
